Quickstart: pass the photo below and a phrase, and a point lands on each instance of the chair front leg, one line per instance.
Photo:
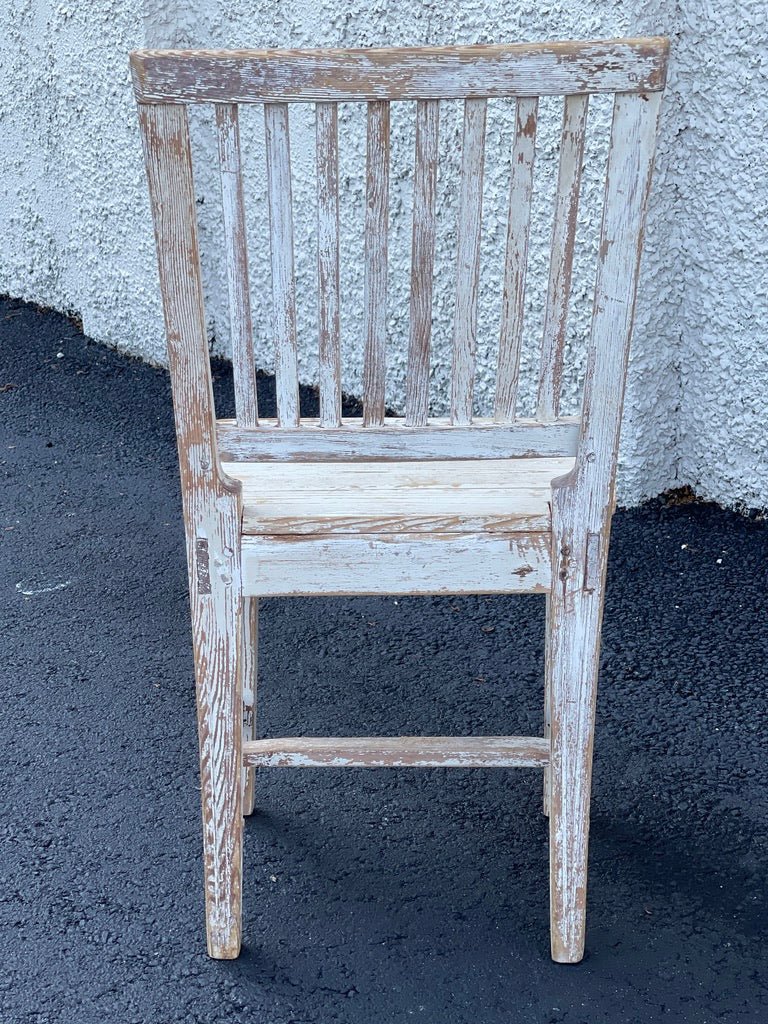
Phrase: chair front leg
(547, 702)
(250, 680)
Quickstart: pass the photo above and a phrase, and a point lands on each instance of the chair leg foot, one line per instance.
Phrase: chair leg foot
(567, 956)
(224, 947)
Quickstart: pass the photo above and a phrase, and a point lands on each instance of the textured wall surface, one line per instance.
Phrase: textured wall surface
(77, 232)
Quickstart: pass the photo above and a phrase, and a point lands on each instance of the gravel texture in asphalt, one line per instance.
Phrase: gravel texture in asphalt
(370, 896)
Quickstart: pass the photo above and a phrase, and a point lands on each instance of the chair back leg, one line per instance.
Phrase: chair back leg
(217, 613)
(572, 662)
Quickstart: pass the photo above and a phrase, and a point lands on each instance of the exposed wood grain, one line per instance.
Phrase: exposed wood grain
(368, 479)
(440, 440)
(505, 496)
(279, 198)
(250, 690)
(375, 291)
(422, 261)
(329, 299)
(516, 259)
(585, 507)
(468, 261)
(562, 252)
(628, 177)
(399, 752)
(236, 248)
(593, 562)
(338, 522)
(396, 564)
(212, 522)
(415, 73)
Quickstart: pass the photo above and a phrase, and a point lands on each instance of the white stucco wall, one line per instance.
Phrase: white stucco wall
(77, 236)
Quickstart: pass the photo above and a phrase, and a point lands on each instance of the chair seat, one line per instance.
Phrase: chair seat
(461, 496)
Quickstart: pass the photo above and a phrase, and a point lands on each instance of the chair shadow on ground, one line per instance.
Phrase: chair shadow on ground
(399, 893)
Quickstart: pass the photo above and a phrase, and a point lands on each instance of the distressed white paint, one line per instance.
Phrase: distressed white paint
(397, 527)
(396, 564)
(516, 259)
(329, 297)
(422, 260)
(508, 495)
(376, 262)
(278, 153)
(564, 225)
(76, 231)
(438, 440)
(468, 232)
(250, 690)
(399, 752)
(212, 526)
(581, 522)
(372, 74)
(235, 240)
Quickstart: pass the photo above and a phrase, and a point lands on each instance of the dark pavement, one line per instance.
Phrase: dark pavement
(370, 897)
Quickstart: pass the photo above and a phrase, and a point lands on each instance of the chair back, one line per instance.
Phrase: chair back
(166, 82)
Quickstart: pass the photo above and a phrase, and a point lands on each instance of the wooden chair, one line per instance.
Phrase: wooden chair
(412, 505)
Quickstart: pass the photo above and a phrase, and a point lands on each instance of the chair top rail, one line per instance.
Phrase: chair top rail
(402, 73)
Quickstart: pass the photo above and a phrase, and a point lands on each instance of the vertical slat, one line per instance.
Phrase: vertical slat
(283, 280)
(468, 261)
(422, 261)
(561, 261)
(326, 127)
(581, 517)
(516, 259)
(375, 297)
(236, 247)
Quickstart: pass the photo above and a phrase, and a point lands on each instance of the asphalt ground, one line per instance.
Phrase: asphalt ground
(370, 896)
